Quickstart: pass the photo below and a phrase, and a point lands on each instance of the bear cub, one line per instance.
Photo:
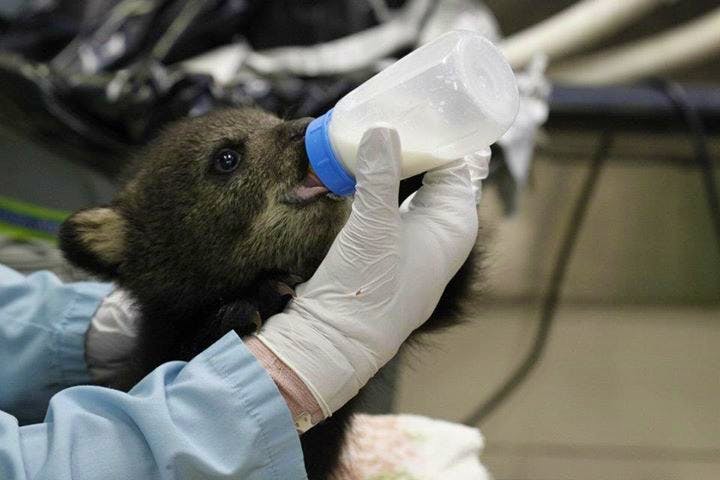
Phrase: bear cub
(216, 220)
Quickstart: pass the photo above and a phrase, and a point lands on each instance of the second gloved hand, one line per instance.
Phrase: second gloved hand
(382, 277)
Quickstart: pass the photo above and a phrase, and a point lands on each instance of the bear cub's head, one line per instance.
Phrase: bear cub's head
(211, 204)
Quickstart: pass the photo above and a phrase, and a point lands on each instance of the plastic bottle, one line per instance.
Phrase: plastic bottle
(449, 98)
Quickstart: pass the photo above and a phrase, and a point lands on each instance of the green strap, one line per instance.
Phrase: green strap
(23, 220)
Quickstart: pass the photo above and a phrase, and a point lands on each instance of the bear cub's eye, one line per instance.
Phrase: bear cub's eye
(225, 160)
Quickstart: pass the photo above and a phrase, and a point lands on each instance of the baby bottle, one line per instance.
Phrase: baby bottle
(451, 97)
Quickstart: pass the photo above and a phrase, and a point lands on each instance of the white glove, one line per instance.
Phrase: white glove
(111, 337)
(382, 277)
(479, 165)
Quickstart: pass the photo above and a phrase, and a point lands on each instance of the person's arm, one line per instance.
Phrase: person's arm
(218, 416)
(42, 334)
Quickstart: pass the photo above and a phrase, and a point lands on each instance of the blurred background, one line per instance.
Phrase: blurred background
(594, 351)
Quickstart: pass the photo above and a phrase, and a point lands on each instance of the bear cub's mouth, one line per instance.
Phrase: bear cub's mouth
(309, 190)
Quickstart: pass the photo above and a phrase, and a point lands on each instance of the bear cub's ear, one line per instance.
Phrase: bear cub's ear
(94, 239)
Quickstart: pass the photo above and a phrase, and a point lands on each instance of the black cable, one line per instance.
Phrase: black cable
(550, 302)
(678, 97)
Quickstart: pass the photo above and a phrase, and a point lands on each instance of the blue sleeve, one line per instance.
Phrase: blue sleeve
(218, 416)
(42, 338)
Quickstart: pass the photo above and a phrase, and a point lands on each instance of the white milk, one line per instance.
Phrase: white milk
(451, 97)
(413, 162)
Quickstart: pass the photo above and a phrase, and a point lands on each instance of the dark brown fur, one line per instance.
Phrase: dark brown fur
(202, 253)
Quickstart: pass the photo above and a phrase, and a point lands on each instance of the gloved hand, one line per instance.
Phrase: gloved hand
(111, 337)
(382, 277)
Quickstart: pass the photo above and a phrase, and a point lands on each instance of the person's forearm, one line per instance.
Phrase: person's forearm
(217, 416)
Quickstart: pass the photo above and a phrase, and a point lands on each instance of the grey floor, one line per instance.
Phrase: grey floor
(622, 392)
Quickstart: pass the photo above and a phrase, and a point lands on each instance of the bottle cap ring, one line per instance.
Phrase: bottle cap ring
(323, 159)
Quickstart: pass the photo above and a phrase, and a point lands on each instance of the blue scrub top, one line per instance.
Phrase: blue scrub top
(218, 416)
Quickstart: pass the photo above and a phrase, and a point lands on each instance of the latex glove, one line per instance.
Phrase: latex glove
(382, 277)
(111, 337)
(479, 166)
